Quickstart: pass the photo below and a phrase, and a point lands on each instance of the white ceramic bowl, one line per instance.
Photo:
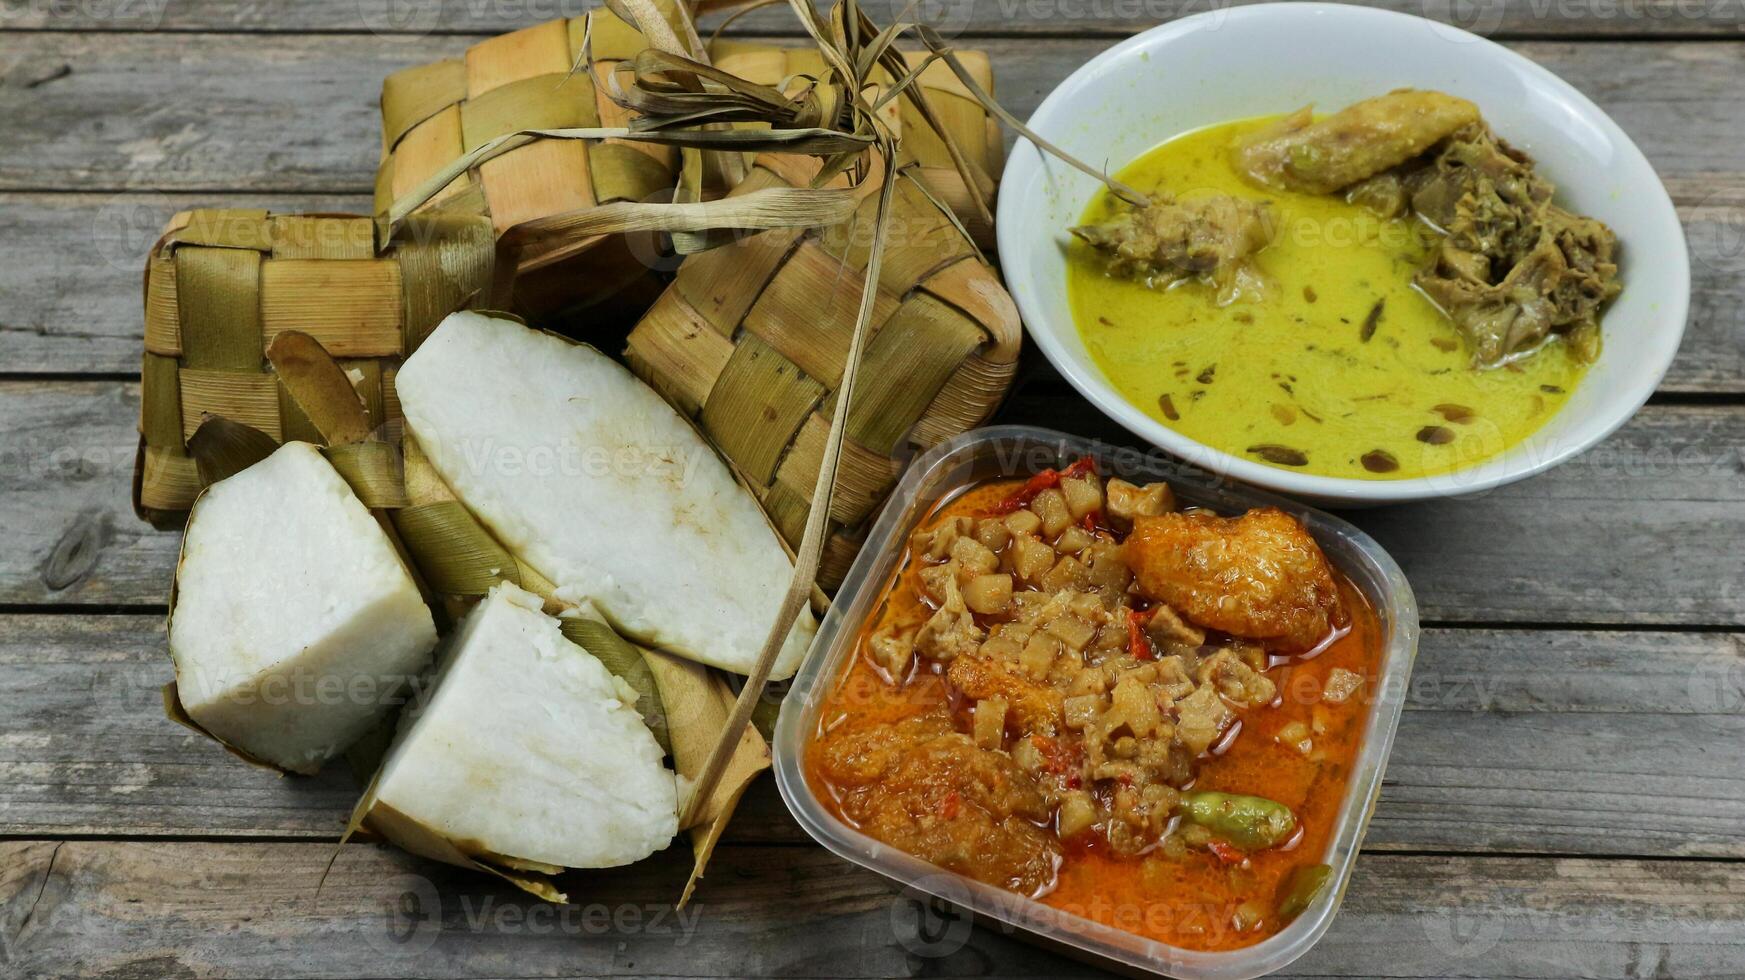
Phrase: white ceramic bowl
(1247, 61)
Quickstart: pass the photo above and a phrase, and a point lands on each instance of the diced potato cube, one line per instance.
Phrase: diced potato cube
(1031, 559)
(1073, 540)
(1068, 573)
(1341, 685)
(1039, 655)
(1086, 606)
(1126, 501)
(1002, 648)
(974, 556)
(1072, 631)
(1295, 736)
(1108, 572)
(993, 533)
(1132, 704)
(1111, 636)
(1027, 755)
(988, 594)
(1084, 495)
(1081, 710)
(990, 722)
(1023, 522)
(1077, 813)
(1050, 505)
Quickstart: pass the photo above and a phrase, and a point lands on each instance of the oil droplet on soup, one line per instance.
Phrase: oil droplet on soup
(1339, 360)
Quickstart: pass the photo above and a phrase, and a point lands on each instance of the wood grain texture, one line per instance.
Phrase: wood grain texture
(160, 123)
(286, 112)
(1501, 18)
(1592, 743)
(70, 270)
(1666, 489)
(86, 908)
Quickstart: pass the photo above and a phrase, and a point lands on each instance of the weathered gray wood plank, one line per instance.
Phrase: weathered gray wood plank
(1596, 743)
(286, 112)
(191, 909)
(1647, 18)
(1666, 490)
(70, 270)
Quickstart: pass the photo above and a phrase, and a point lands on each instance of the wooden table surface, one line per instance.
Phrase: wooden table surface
(1566, 797)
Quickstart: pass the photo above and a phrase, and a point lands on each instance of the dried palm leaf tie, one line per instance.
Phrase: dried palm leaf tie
(850, 48)
(434, 114)
(222, 285)
(928, 155)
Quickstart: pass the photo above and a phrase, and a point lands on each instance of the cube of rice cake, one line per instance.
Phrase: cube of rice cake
(590, 478)
(295, 625)
(526, 751)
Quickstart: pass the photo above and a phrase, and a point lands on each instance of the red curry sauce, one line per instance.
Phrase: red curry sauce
(1203, 899)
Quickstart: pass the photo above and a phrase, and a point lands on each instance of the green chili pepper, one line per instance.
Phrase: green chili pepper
(1252, 823)
(1300, 888)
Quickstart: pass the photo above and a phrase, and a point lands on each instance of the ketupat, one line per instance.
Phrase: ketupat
(975, 132)
(294, 626)
(584, 474)
(528, 757)
(435, 113)
(220, 285)
(751, 339)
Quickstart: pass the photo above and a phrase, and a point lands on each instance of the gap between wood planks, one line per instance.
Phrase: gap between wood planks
(1391, 850)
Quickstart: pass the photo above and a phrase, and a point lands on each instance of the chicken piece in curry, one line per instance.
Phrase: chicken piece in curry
(1053, 699)
(1323, 156)
(1513, 268)
(1259, 576)
(1211, 238)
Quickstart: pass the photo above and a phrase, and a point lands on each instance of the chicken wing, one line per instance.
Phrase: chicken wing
(1319, 157)
(1259, 576)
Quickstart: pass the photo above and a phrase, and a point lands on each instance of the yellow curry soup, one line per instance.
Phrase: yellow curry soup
(1332, 362)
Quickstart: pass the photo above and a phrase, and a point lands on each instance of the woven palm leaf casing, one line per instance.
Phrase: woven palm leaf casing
(751, 340)
(432, 114)
(221, 284)
(976, 133)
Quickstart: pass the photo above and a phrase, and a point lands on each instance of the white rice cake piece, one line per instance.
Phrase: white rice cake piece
(593, 480)
(527, 750)
(296, 626)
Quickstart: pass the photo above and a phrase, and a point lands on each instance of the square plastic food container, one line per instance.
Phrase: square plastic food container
(1020, 451)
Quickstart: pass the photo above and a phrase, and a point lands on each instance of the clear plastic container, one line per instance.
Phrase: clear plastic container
(1018, 451)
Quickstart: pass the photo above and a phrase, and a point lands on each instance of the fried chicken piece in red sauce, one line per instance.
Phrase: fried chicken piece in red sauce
(930, 791)
(1259, 576)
